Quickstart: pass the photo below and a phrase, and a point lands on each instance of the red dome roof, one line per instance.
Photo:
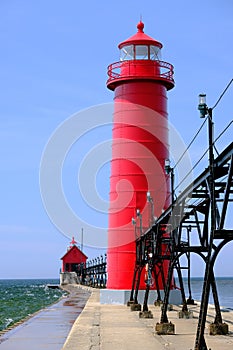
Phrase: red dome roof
(140, 38)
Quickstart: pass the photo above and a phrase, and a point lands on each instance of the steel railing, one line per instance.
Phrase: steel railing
(140, 68)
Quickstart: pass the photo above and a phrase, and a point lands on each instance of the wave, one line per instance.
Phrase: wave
(23, 298)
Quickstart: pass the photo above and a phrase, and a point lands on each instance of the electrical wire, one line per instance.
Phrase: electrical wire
(190, 171)
(215, 105)
(228, 85)
(194, 138)
(223, 131)
(219, 136)
(190, 144)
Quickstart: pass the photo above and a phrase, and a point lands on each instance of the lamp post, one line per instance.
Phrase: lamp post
(134, 223)
(169, 170)
(209, 276)
(151, 202)
(206, 111)
(139, 215)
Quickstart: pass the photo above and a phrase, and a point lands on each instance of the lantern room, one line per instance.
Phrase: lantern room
(140, 47)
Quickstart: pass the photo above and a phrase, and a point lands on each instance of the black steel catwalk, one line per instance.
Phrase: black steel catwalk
(196, 222)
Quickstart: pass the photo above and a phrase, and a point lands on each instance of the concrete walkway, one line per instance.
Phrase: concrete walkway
(108, 327)
(115, 327)
(49, 328)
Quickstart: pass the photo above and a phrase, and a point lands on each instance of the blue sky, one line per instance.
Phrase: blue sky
(53, 63)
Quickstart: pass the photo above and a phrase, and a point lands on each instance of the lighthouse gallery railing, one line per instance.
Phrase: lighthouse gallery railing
(144, 68)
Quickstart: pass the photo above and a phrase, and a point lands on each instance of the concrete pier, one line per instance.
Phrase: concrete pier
(115, 327)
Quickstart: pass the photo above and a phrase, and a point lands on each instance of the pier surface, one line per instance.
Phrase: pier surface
(115, 327)
(109, 327)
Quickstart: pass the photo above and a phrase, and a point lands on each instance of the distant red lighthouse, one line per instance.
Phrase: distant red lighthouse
(140, 147)
(73, 258)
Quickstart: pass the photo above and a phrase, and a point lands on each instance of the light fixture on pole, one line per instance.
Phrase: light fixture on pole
(169, 170)
(202, 107)
(151, 202)
(148, 197)
(139, 215)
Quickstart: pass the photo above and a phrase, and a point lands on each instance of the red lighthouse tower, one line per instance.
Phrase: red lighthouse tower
(140, 147)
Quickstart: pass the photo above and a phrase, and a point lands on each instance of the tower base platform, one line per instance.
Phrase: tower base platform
(121, 297)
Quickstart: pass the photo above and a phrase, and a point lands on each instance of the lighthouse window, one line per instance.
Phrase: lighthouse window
(155, 53)
(141, 52)
(127, 53)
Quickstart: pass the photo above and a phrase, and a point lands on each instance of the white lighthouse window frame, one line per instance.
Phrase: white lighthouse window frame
(127, 53)
(155, 53)
(141, 52)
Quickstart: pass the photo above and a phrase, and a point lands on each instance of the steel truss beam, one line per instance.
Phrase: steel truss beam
(196, 222)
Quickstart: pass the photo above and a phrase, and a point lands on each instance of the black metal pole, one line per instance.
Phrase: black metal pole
(156, 274)
(133, 283)
(190, 299)
(178, 269)
(218, 315)
(164, 318)
(172, 186)
(200, 340)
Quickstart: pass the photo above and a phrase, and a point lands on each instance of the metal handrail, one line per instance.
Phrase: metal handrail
(114, 69)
